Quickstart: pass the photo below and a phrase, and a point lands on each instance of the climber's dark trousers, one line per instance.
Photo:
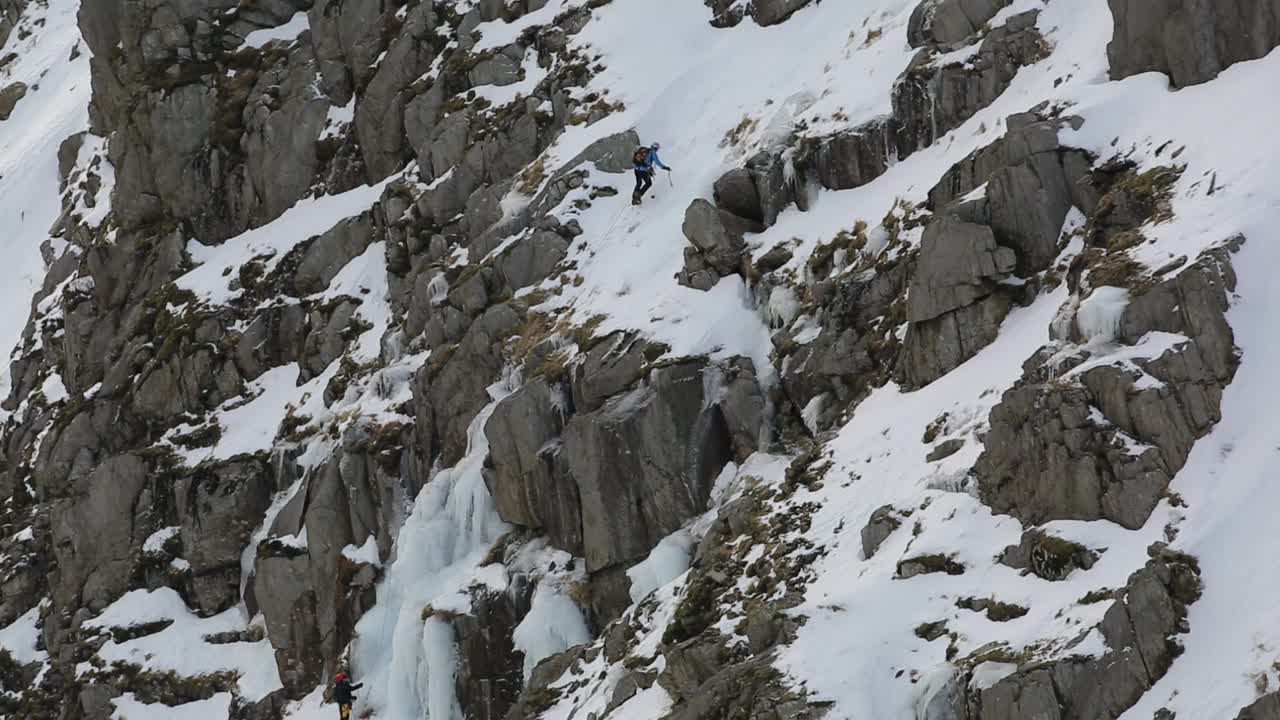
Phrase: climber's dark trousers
(644, 181)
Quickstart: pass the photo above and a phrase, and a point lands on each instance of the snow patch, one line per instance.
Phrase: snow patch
(666, 562)
(287, 32)
(554, 624)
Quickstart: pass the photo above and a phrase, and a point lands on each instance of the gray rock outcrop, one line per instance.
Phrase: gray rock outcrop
(719, 247)
(1191, 41)
(1058, 451)
(930, 101)
(1140, 630)
(946, 22)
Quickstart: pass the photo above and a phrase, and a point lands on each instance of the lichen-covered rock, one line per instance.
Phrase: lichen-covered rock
(532, 259)
(321, 259)
(1191, 41)
(960, 263)
(1029, 183)
(283, 119)
(934, 347)
(309, 593)
(447, 398)
(348, 37)
(95, 538)
(955, 305)
(610, 367)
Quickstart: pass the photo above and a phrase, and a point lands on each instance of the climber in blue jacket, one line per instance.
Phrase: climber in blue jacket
(644, 160)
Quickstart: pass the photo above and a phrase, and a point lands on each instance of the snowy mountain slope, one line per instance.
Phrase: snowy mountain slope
(368, 364)
(50, 67)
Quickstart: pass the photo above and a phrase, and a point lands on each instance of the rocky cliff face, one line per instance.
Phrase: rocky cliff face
(345, 352)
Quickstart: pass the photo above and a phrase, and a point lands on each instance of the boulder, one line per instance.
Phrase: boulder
(1191, 41)
(960, 264)
(9, 97)
(778, 184)
(935, 347)
(853, 158)
(497, 70)
(718, 235)
(948, 22)
(735, 192)
(325, 256)
(878, 529)
(772, 12)
(532, 259)
(1047, 556)
(1026, 184)
(611, 366)
(954, 305)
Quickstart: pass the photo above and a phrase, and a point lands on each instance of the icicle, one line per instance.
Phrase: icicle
(438, 669)
(1098, 318)
(407, 662)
